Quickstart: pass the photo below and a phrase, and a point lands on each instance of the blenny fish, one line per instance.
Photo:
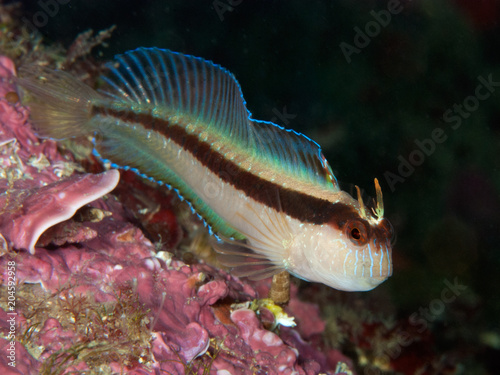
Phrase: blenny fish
(267, 193)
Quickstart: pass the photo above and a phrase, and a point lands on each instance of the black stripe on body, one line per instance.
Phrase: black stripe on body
(296, 204)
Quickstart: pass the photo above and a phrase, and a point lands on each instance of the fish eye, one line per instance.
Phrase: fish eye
(357, 232)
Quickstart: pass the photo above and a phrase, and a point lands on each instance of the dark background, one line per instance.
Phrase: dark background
(366, 114)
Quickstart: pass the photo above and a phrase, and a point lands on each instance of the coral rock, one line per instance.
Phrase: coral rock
(27, 213)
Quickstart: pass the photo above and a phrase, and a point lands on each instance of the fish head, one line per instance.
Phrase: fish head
(353, 252)
(365, 250)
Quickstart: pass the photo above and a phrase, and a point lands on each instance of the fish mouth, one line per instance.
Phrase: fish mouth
(379, 279)
(373, 282)
(364, 284)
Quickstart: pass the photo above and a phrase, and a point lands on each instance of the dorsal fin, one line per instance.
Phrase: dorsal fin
(207, 97)
(293, 153)
(175, 84)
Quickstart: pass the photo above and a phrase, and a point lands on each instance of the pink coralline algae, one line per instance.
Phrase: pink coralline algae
(27, 213)
(34, 197)
(95, 295)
